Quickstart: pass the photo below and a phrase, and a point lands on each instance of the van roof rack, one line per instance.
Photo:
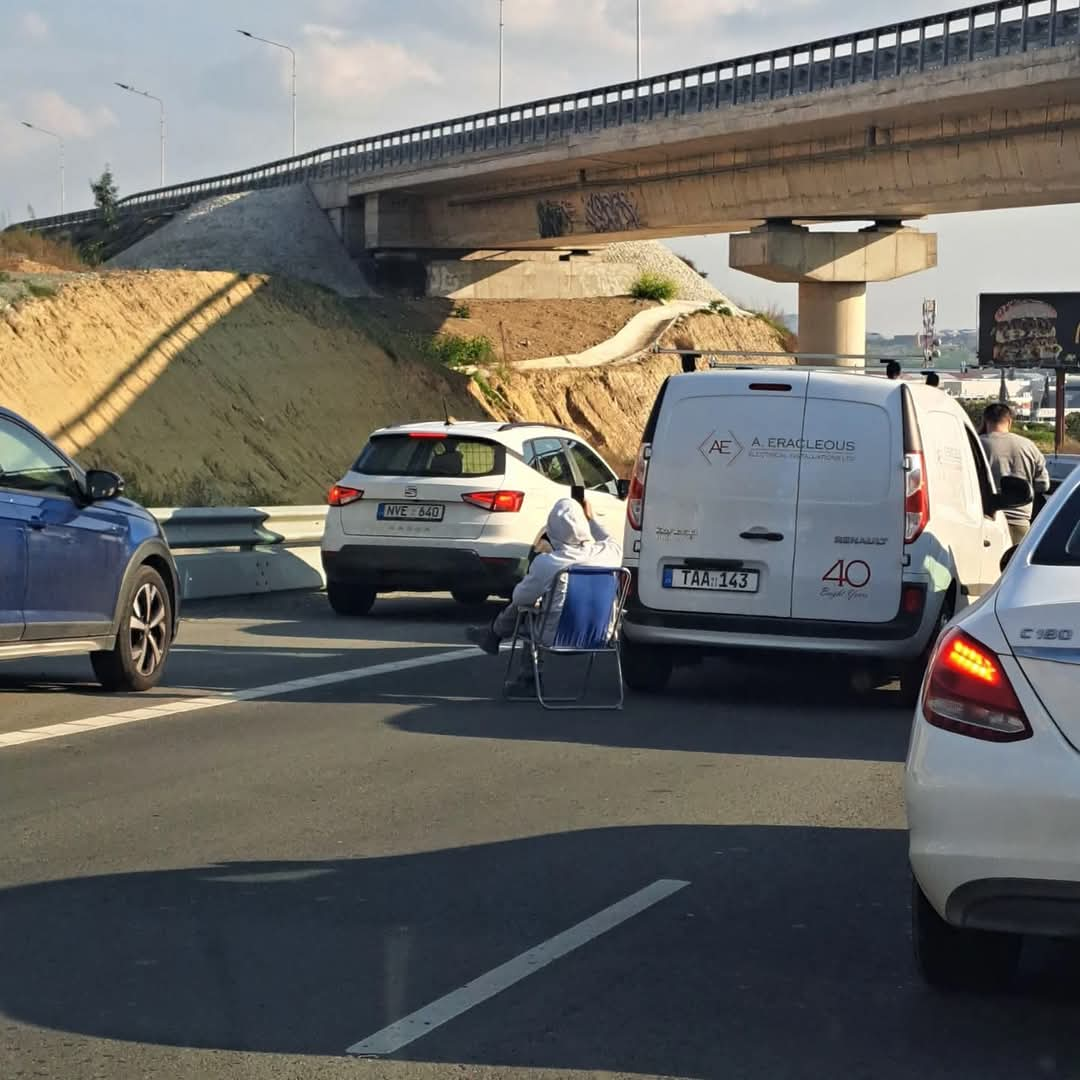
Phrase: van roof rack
(526, 423)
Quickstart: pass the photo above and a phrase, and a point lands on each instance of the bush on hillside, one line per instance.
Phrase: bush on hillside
(773, 317)
(458, 352)
(650, 286)
(21, 244)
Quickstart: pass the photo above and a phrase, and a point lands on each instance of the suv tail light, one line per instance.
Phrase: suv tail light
(967, 692)
(505, 502)
(342, 496)
(916, 497)
(635, 497)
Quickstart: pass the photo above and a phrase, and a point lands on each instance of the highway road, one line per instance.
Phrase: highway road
(325, 848)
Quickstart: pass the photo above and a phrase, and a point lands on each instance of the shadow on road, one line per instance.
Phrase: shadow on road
(786, 956)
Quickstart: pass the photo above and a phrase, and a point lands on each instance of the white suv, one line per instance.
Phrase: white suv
(456, 507)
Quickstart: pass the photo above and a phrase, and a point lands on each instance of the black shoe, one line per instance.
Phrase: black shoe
(483, 638)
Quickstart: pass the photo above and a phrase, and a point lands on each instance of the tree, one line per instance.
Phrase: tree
(106, 196)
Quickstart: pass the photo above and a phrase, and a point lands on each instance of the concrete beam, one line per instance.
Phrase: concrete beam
(789, 253)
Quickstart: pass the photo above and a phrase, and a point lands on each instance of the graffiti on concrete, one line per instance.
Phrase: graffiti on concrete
(554, 217)
(611, 211)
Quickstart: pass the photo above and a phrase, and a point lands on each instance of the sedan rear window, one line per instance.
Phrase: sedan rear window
(1060, 546)
(431, 455)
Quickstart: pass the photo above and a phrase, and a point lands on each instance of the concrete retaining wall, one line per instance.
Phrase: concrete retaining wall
(503, 279)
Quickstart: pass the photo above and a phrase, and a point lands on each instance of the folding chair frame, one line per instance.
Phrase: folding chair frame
(533, 621)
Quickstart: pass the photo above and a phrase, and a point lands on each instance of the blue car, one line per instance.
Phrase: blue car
(82, 570)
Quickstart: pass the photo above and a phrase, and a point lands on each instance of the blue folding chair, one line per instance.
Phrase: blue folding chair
(588, 625)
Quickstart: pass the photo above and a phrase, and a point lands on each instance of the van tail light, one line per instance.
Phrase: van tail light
(342, 496)
(498, 502)
(967, 692)
(635, 498)
(916, 497)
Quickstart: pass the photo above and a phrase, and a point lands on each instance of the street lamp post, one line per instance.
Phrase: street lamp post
(278, 45)
(500, 53)
(161, 121)
(639, 40)
(34, 127)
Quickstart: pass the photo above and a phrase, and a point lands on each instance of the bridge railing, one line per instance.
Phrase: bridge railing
(966, 35)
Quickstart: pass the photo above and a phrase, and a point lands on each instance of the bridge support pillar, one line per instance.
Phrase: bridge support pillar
(832, 270)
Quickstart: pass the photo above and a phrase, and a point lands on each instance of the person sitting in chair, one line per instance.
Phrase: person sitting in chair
(576, 539)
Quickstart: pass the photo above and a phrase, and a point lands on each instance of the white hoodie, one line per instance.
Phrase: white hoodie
(575, 541)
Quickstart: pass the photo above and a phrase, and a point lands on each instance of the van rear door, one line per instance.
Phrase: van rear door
(718, 528)
(849, 550)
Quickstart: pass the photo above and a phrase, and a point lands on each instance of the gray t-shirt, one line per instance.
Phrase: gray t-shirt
(1013, 455)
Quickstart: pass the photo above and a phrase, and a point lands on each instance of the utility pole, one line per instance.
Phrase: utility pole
(292, 54)
(500, 53)
(161, 121)
(34, 127)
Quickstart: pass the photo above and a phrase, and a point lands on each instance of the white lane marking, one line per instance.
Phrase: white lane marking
(250, 650)
(214, 701)
(412, 1027)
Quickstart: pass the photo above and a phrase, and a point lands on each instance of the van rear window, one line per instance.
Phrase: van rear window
(1061, 544)
(431, 456)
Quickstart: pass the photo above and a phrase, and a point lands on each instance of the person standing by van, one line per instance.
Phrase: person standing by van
(1013, 455)
(892, 370)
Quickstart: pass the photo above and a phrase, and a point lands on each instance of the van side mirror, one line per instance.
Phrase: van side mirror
(1007, 558)
(1013, 491)
(622, 488)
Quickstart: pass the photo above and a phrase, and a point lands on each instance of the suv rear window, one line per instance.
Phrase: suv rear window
(447, 455)
(1060, 546)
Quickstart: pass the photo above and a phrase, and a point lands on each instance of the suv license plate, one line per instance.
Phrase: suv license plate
(411, 511)
(693, 577)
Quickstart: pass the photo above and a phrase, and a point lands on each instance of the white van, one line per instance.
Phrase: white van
(830, 513)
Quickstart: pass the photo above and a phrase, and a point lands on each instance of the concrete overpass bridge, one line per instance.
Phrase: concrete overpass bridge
(975, 109)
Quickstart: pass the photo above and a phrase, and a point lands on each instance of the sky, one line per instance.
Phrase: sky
(371, 66)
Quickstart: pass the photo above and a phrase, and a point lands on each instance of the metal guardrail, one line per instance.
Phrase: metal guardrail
(238, 551)
(980, 32)
(243, 527)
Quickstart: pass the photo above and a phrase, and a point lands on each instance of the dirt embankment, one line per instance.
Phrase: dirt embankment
(210, 388)
(517, 329)
(609, 405)
(207, 388)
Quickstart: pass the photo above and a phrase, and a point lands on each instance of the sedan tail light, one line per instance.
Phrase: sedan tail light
(505, 502)
(635, 498)
(967, 692)
(342, 496)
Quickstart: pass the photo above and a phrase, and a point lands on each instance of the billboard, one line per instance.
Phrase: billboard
(1028, 330)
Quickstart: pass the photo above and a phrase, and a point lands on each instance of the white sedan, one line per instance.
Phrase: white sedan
(455, 507)
(993, 769)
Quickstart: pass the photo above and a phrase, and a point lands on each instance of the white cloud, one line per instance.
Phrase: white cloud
(337, 68)
(33, 26)
(49, 109)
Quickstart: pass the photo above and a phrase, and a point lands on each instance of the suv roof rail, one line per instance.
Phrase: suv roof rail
(528, 423)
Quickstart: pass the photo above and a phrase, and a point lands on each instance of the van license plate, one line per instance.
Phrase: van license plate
(411, 511)
(692, 577)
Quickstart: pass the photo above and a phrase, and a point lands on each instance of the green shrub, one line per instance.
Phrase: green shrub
(650, 286)
(460, 311)
(42, 292)
(458, 352)
(720, 307)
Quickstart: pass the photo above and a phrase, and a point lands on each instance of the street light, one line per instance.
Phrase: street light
(34, 127)
(278, 45)
(639, 40)
(500, 51)
(161, 123)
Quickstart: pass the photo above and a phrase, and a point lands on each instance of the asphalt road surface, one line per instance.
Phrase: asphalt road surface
(326, 848)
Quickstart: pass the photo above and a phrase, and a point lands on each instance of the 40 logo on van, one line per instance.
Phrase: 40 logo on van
(847, 579)
(723, 446)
